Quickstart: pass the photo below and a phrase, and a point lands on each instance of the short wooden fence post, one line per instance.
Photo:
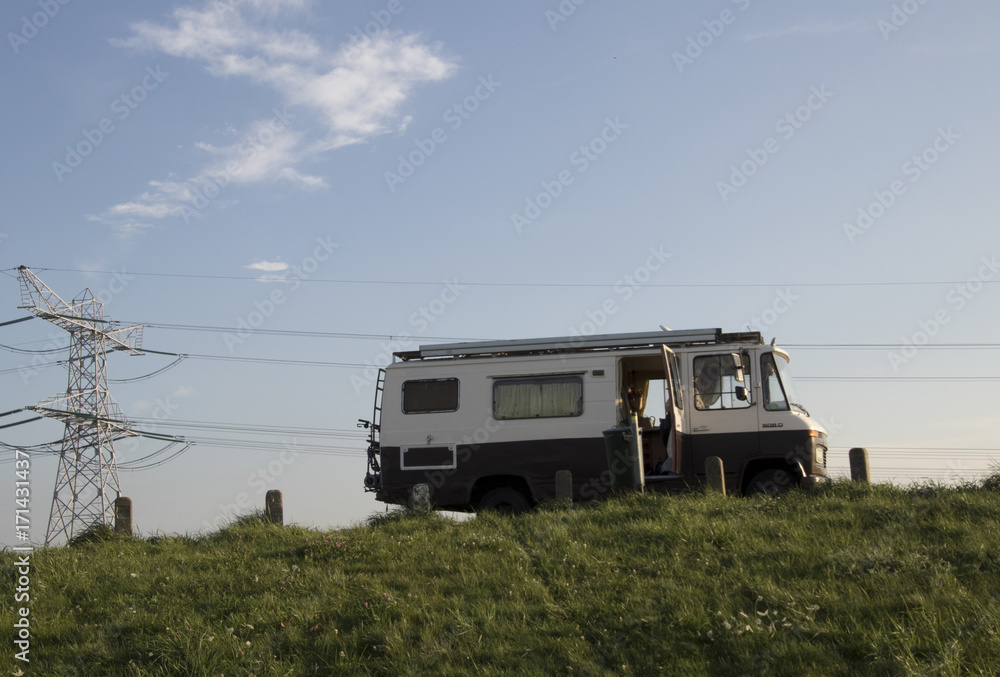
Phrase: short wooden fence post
(123, 515)
(274, 511)
(860, 469)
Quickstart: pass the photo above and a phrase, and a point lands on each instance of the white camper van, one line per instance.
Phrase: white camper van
(487, 425)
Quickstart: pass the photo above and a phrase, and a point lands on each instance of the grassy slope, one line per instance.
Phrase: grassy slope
(845, 580)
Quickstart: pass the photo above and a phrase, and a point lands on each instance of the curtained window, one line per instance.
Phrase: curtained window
(537, 397)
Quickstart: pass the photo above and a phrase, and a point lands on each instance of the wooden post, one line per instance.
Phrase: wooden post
(860, 469)
(714, 474)
(564, 486)
(123, 515)
(273, 508)
(420, 497)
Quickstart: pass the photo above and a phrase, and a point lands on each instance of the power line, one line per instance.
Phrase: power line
(269, 360)
(358, 365)
(350, 433)
(931, 379)
(300, 332)
(150, 375)
(27, 368)
(883, 346)
(572, 285)
(22, 319)
(134, 468)
(922, 448)
(37, 352)
(27, 420)
(391, 337)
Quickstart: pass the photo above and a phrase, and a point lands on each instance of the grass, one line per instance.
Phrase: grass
(844, 580)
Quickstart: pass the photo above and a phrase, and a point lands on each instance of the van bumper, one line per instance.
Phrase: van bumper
(810, 481)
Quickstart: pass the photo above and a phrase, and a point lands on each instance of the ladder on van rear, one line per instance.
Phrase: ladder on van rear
(373, 478)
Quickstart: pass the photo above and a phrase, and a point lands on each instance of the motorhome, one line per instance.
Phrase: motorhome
(488, 424)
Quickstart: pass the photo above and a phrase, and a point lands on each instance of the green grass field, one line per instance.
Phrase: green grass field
(843, 580)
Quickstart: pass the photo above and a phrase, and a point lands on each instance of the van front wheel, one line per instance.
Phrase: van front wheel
(504, 500)
(773, 482)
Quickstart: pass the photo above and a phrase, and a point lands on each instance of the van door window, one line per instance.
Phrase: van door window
(774, 393)
(675, 376)
(715, 384)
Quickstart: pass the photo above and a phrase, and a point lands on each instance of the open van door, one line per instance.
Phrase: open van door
(674, 406)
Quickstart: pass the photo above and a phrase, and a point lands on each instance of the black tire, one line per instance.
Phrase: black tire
(773, 482)
(505, 500)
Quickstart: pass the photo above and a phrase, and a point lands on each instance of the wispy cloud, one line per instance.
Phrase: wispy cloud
(274, 271)
(809, 29)
(268, 266)
(337, 97)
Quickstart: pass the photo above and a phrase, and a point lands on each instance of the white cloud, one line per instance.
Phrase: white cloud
(183, 391)
(338, 97)
(268, 266)
(274, 271)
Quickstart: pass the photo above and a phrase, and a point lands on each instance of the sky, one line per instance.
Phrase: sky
(325, 183)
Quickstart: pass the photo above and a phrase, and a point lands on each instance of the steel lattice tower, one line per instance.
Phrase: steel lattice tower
(87, 477)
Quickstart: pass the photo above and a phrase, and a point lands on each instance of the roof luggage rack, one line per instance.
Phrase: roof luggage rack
(578, 344)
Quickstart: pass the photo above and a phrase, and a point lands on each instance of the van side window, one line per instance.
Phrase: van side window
(537, 397)
(715, 383)
(430, 396)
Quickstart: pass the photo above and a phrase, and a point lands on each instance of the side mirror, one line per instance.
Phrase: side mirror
(741, 393)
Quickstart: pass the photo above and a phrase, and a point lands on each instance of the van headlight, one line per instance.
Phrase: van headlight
(819, 447)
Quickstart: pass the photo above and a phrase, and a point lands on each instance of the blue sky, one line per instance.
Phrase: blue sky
(824, 173)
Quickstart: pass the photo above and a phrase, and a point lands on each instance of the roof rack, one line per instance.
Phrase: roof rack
(576, 344)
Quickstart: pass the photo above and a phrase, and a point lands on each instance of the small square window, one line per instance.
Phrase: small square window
(430, 396)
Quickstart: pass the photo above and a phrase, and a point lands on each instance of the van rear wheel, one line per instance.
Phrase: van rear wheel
(505, 500)
(773, 482)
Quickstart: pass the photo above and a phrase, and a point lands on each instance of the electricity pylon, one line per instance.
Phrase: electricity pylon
(87, 478)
